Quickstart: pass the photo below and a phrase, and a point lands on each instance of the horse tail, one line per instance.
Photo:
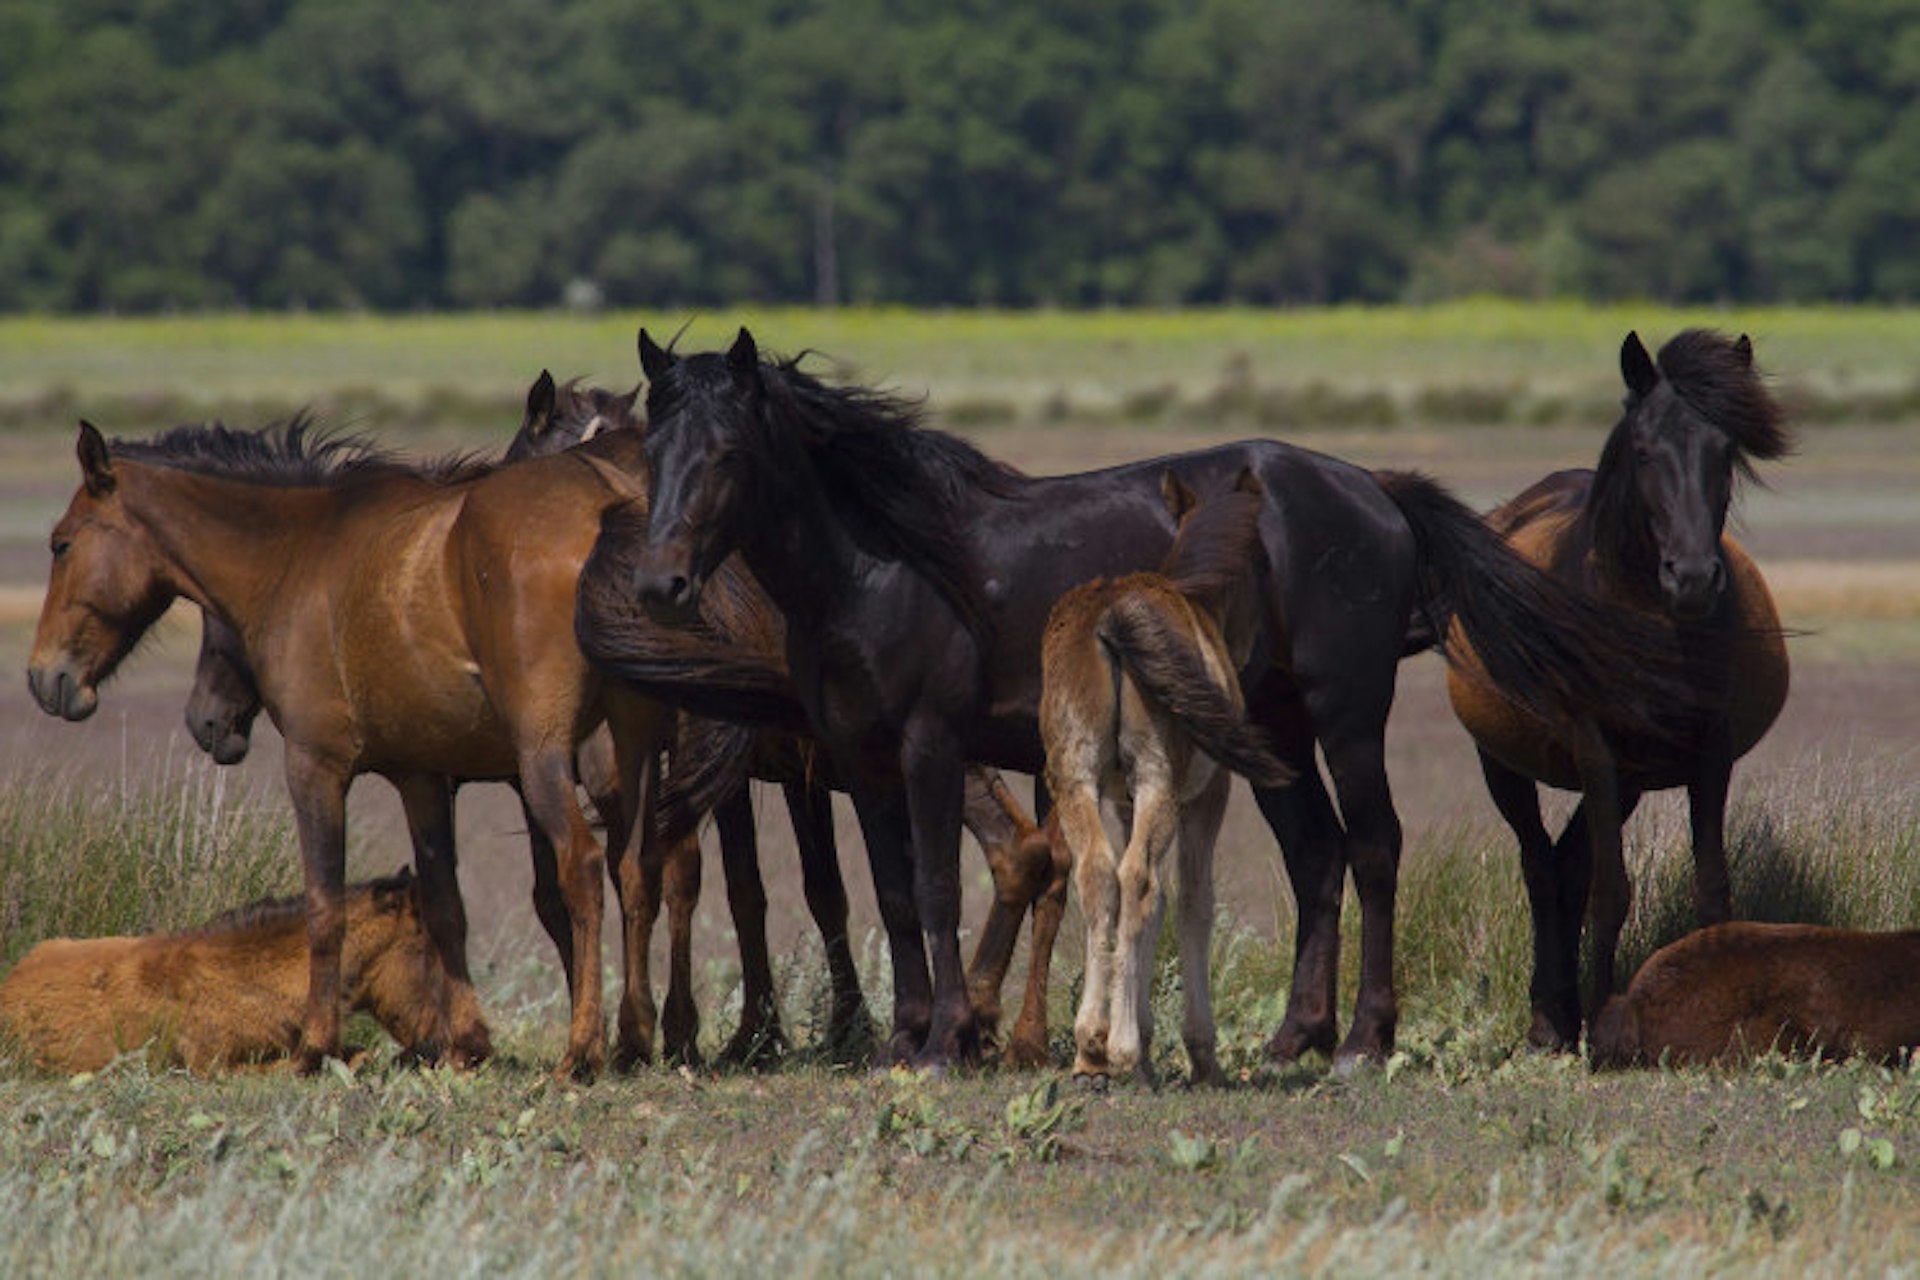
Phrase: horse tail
(710, 760)
(1165, 665)
(1548, 647)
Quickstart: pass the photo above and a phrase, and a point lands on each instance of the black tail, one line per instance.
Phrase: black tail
(1164, 664)
(710, 761)
(1550, 648)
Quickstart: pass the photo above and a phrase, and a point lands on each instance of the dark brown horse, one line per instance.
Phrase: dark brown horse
(414, 623)
(1733, 990)
(915, 576)
(1643, 535)
(229, 993)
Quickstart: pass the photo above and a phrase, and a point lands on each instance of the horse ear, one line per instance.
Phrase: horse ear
(538, 419)
(654, 361)
(1636, 366)
(96, 461)
(1743, 347)
(1178, 497)
(1248, 482)
(744, 357)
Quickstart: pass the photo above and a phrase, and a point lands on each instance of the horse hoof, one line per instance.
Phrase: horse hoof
(755, 1048)
(1293, 1042)
(1027, 1053)
(579, 1067)
(1095, 1082)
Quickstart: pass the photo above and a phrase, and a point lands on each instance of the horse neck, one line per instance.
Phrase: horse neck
(1615, 537)
(224, 540)
(801, 553)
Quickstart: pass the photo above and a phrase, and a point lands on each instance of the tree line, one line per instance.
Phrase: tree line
(159, 154)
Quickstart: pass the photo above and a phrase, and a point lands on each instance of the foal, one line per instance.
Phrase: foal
(226, 994)
(1731, 990)
(1140, 705)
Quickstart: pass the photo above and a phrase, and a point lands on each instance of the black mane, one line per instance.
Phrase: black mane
(291, 452)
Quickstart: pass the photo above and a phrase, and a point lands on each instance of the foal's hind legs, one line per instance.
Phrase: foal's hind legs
(1095, 871)
(1142, 901)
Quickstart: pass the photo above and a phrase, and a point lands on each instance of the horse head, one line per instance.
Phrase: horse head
(1667, 475)
(225, 700)
(702, 415)
(106, 587)
(559, 416)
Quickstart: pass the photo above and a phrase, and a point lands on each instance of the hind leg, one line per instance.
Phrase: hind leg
(1096, 873)
(1199, 830)
(1141, 904)
(1027, 1048)
(1555, 990)
(462, 1035)
(1358, 766)
(1301, 818)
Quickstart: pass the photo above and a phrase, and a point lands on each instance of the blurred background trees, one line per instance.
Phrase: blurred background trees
(159, 154)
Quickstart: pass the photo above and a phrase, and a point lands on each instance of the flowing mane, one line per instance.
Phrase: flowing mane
(291, 452)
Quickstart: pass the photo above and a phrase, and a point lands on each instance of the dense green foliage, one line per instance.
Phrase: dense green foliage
(158, 154)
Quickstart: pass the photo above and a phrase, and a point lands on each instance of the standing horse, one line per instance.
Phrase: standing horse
(407, 622)
(1643, 536)
(1140, 705)
(915, 575)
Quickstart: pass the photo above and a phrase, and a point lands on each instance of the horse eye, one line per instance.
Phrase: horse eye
(60, 546)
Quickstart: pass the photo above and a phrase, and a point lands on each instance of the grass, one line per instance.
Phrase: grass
(1460, 1156)
(1482, 361)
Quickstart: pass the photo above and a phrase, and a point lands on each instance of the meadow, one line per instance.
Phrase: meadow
(1461, 1155)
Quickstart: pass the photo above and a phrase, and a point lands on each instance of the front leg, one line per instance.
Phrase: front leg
(1707, 808)
(1604, 811)
(319, 791)
(934, 778)
(462, 1032)
(883, 823)
(547, 783)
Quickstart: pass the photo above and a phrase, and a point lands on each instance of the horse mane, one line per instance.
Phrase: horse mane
(1714, 376)
(902, 489)
(291, 452)
(270, 914)
(1217, 545)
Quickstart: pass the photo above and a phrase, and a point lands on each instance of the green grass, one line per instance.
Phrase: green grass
(1480, 360)
(1461, 1156)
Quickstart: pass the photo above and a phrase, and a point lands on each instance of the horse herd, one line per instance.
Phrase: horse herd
(775, 577)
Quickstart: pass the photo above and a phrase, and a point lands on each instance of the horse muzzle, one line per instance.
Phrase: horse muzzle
(226, 741)
(62, 691)
(1692, 585)
(670, 593)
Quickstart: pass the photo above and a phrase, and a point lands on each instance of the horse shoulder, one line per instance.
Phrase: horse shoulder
(1761, 668)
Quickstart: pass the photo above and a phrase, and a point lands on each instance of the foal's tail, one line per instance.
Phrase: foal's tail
(1552, 649)
(1163, 662)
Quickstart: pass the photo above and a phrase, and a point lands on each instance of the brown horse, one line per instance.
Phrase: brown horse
(1732, 990)
(1644, 535)
(226, 994)
(415, 623)
(1140, 705)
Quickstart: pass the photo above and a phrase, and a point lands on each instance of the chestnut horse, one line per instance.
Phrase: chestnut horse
(414, 623)
(1733, 990)
(1140, 705)
(226, 994)
(915, 575)
(1643, 535)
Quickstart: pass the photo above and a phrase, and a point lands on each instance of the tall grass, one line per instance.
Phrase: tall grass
(80, 861)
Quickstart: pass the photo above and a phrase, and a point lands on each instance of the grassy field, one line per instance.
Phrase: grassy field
(1461, 1156)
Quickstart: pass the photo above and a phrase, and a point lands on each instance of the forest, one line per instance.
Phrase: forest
(160, 155)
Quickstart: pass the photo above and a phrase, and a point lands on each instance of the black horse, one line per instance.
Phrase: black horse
(916, 575)
(1644, 535)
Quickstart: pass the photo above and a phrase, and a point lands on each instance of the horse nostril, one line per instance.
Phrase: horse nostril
(677, 588)
(1718, 576)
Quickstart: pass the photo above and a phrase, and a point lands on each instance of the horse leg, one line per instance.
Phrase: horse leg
(1028, 1046)
(680, 1013)
(319, 794)
(549, 907)
(883, 824)
(810, 808)
(1612, 891)
(1555, 990)
(998, 833)
(1301, 818)
(1357, 762)
(1155, 816)
(1096, 869)
(933, 774)
(1707, 813)
(759, 1037)
(1199, 831)
(462, 1032)
(547, 782)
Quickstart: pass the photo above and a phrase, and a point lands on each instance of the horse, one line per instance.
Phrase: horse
(407, 621)
(1140, 705)
(226, 994)
(915, 575)
(1732, 990)
(1643, 537)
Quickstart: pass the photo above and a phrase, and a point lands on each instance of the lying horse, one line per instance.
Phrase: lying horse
(227, 994)
(1140, 705)
(1732, 990)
